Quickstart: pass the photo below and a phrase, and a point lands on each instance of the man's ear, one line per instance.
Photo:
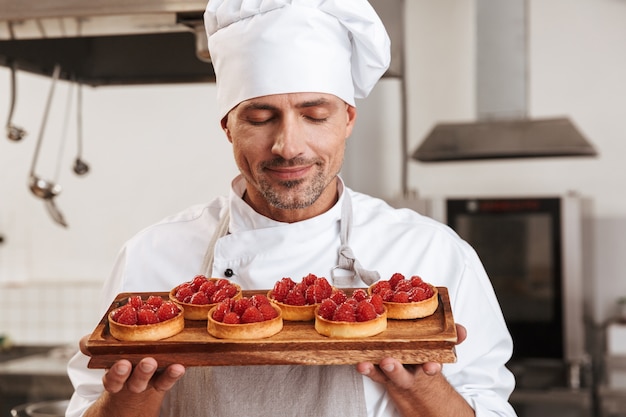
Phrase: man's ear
(351, 119)
(224, 124)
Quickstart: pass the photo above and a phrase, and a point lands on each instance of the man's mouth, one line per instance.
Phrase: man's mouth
(292, 170)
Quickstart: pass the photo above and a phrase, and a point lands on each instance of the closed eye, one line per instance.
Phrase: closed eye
(316, 119)
(258, 117)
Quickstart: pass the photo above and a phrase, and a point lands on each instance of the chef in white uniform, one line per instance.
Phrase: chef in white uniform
(288, 72)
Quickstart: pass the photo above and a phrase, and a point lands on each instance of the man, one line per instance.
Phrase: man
(287, 75)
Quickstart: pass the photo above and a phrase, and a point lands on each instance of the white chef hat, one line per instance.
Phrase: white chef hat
(263, 47)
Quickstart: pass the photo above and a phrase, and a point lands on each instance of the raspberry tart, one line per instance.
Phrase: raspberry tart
(357, 316)
(149, 320)
(201, 294)
(245, 318)
(411, 298)
(298, 301)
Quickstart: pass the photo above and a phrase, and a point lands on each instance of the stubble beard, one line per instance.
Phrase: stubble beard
(293, 194)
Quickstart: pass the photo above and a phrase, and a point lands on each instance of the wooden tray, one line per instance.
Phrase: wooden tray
(431, 339)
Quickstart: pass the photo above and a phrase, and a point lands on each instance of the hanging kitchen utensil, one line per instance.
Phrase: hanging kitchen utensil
(80, 166)
(42, 188)
(14, 132)
(63, 139)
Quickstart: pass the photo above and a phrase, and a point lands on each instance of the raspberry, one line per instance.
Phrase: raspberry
(219, 295)
(344, 312)
(221, 282)
(197, 282)
(267, 311)
(208, 288)
(147, 317)
(377, 302)
(327, 309)
(241, 305)
(231, 290)
(429, 291)
(199, 298)
(167, 310)
(416, 280)
(295, 298)
(404, 285)
(127, 316)
(395, 278)
(309, 280)
(146, 306)
(252, 315)
(154, 301)
(258, 300)
(280, 291)
(381, 286)
(325, 286)
(116, 313)
(231, 318)
(183, 292)
(400, 297)
(339, 297)
(135, 301)
(289, 282)
(359, 294)
(417, 294)
(221, 310)
(386, 294)
(365, 311)
(352, 302)
(314, 294)
(300, 288)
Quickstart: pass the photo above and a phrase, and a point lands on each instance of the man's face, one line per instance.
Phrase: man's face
(289, 148)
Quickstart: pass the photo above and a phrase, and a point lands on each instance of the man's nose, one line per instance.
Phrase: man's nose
(289, 141)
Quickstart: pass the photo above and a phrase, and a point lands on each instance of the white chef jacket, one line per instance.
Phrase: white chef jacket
(260, 251)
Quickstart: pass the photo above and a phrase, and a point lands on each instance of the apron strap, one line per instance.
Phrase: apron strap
(347, 260)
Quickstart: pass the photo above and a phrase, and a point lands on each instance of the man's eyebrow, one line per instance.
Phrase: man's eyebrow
(313, 103)
(305, 104)
(258, 106)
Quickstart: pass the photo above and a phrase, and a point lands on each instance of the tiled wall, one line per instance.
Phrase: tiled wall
(48, 313)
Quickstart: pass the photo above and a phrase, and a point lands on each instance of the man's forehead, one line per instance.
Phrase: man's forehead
(297, 100)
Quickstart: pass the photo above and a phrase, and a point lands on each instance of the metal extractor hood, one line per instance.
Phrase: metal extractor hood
(498, 139)
(121, 42)
(502, 129)
(107, 42)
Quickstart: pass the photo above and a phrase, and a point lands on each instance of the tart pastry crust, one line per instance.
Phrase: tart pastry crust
(258, 330)
(147, 332)
(348, 330)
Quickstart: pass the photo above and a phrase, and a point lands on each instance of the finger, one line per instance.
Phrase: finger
(431, 368)
(461, 333)
(115, 378)
(371, 371)
(396, 373)
(140, 378)
(168, 378)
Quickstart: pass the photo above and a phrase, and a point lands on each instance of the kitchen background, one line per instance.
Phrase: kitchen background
(154, 150)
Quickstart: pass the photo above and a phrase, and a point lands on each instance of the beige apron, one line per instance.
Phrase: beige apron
(275, 390)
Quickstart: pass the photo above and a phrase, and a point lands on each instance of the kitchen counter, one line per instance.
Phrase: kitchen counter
(20, 351)
(35, 377)
(38, 365)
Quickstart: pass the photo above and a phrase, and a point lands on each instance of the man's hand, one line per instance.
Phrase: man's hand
(133, 392)
(121, 376)
(418, 389)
